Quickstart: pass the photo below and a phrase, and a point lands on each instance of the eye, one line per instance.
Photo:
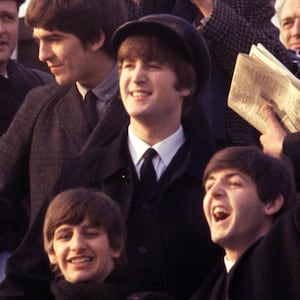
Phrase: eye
(208, 185)
(64, 236)
(91, 234)
(154, 65)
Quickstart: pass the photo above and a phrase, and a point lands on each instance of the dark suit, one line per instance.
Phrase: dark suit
(168, 245)
(269, 270)
(13, 90)
(49, 129)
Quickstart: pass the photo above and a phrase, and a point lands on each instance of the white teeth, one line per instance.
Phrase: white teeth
(220, 213)
(139, 94)
(80, 260)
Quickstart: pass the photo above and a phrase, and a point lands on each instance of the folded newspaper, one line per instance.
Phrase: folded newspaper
(258, 79)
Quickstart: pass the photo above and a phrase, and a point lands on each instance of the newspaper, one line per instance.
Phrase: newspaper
(259, 79)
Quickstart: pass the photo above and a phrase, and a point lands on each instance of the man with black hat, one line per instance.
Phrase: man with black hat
(163, 62)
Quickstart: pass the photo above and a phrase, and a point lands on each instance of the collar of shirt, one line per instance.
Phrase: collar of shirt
(107, 89)
(166, 150)
(228, 264)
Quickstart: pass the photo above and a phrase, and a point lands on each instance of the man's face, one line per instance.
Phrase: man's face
(82, 252)
(148, 92)
(235, 214)
(9, 28)
(67, 58)
(290, 25)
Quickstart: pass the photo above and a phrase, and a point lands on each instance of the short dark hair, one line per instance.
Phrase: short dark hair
(272, 176)
(86, 19)
(72, 206)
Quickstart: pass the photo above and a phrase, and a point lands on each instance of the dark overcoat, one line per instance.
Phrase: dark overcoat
(49, 128)
(269, 270)
(185, 253)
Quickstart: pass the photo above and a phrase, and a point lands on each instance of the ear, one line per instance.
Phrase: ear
(52, 257)
(116, 253)
(98, 43)
(185, 92)
(273, 207)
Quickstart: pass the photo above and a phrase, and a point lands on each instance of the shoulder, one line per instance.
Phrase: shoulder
(32, 77)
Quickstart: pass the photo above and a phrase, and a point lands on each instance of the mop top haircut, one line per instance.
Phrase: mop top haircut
(73, 206)
(86, 19)
(272, 176)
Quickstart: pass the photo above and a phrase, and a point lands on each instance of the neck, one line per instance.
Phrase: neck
(99, 69)
(153, 134)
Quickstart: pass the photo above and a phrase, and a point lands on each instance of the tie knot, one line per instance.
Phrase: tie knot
(150, 153)
(90, 96)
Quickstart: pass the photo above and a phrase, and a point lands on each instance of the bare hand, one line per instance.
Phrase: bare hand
(272, 141)
(205, 6)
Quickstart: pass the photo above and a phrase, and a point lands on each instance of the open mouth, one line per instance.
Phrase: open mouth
(220, 213)
(139, 94)
(80, 260)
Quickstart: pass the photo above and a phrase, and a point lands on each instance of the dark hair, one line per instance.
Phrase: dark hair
(86, 19)
(154, 47)
(72, 206)
(272, 176)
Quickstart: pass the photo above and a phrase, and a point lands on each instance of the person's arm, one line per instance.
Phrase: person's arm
(233, 28)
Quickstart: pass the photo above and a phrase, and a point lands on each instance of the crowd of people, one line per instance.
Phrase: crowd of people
(125, 175)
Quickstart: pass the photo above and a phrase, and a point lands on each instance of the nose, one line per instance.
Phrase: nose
(139, 74)
(77, 242)
(216, 190)
(296, 28)
(45, 52)
(2, 26)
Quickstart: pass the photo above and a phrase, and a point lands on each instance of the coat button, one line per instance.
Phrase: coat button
(142, 250)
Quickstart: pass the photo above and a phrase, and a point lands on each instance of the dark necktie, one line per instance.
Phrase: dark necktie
(147, 173)
(90, 109)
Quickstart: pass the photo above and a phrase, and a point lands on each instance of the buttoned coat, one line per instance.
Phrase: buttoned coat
(186, 253)
(49, 129)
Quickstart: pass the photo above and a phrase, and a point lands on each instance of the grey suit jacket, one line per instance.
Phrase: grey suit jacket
(49, 129)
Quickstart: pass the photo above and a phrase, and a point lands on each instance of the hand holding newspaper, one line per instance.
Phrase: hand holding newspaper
(259, 79)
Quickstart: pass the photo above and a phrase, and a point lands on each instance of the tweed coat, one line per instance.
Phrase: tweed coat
(186, 252)
(49, 129)
(13, 91)
(269, 269)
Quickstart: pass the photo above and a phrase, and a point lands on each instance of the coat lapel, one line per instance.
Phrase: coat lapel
(71, 117)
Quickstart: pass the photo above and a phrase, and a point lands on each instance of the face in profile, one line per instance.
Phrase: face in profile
(82, 252)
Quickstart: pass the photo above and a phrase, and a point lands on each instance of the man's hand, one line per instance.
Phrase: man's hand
(272, 141)
(205, 6)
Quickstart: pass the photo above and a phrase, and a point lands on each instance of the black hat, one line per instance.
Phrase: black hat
(177, 29)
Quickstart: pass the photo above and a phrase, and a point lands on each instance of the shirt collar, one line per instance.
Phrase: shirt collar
(166, 149)
(228, 264)
(107, 89)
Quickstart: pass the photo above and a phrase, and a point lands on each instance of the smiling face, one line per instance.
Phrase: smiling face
(82, 252)
(67, 58)
(235, 214)
(290, 25)
(148, 92)
(9, 27)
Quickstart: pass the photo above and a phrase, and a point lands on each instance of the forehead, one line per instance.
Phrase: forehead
(8, 6)
(290, 8)
(227, 173)
(41, 33)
